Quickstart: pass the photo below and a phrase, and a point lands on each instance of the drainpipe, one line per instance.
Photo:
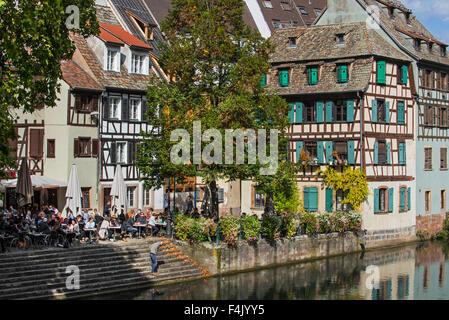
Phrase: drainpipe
(361, 131)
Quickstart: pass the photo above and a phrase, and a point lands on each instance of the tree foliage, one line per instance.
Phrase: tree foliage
(351, 180)
(33, 41)
(215, 64)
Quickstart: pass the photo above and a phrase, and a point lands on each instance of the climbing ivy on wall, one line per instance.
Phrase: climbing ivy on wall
(350, 180)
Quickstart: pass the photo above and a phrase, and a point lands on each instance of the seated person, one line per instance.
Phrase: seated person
(44, 227)
(152, 224)
(90, 225)
(104, 228)
(128, 226)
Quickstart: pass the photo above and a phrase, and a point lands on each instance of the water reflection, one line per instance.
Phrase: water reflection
(406, 273)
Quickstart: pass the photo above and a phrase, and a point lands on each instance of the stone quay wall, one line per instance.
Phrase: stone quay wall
(221, 259)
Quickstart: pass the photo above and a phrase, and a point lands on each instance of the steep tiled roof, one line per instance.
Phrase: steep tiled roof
(109, 37)
(402, 31)
(76, 77)
(120, 33)
(121, 79)
(319, 43)
(105, 15)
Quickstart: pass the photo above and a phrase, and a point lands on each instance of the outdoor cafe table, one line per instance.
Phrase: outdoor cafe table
(90, 231)
(115, 228)
(38, 238)
(139, 226)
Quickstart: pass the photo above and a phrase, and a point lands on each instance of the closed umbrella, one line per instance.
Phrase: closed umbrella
(24, 188)
(118, 191)
(73, 193)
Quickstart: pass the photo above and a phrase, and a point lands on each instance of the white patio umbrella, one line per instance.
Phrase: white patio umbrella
(73, 193)
(118, 192)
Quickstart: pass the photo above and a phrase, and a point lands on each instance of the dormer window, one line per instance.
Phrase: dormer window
(303, 10)
(285, 6)
(417, 44)
(391, 12)
(112, 59)
(443, 51)
(292, 42)
(407, 18)
(139, 63)
(340, 38)
(430, 46)
(267, 4)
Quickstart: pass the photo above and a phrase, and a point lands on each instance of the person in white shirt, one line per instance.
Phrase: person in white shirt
(152, 224)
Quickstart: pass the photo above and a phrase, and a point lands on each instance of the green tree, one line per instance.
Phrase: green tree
(216, 64)
(33, 41)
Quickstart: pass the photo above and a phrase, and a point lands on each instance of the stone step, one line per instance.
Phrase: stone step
(109, 282)
(91, 274)
(88, 271)
(74, 251)
(67, 253)
(78, 261)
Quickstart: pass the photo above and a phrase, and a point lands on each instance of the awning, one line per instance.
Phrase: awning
(37, 182)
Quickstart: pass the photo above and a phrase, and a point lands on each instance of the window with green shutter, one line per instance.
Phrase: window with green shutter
(402, 155)
(342, 71)
(320, 152)
(283, 78)
(313, 75)
(329, 107)
(329, 200)
(350, 110)
(402, 193)
(291, 112)
(299, 146)
(381, 72)
(401, 112)
(329, 150)
(390, 199)
(320, 112)
(374, 110)
(299, 107)
(351, 152)
(263, 81)
(403, 75)
(409, 199)
(311, 199)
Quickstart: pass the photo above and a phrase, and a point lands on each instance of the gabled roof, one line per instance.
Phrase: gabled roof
(109, 37)
(76, 77)
(319, 43)
(404, 32)
(126, 9)
(120, 34)
(317, 46)
(122, 79)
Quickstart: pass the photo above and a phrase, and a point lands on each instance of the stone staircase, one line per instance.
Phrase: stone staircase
(103, 268)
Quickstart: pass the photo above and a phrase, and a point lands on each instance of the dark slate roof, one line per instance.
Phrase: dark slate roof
(76, 77)
(122, 79)
(138, 8)
(105, 15)
(316, 45)
(294, 16)
(319, 43)
(160, 8)
(403, 31)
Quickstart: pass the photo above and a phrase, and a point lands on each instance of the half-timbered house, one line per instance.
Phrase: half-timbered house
(351, 98)
(52, 139)
(397, 25)
(120, 62)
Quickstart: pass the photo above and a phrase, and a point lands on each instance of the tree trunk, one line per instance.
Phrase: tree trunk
(269, 205)
(213, 200)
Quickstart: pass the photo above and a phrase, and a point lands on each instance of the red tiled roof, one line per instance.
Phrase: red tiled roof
(77, 77)
(108, 37)
(120, 34)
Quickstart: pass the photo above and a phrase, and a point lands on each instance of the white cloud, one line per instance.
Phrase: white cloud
(426, 8)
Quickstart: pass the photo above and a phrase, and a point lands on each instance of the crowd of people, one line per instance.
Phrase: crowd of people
(85, 226)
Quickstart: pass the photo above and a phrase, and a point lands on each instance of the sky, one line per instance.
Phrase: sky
(433, 14)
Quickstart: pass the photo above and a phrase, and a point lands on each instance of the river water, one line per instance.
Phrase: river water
(415, 272)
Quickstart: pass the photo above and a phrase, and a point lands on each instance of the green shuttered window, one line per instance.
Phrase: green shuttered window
(342, 71)
(299, 108)
(320, 152)
(351, 153)
(329, 150)
(263, 81)
(402, 153)
(320, 112)
(404, 75)
(381, 72)
(329, 107)
(313, 75)
(402, 198)
(291, 113)
(401, 112)
(283, 78)
(409, 198)
(311, 199)
(390, 199)
(374, 110)
(329, 200)
(299, 145)
(350, 110)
